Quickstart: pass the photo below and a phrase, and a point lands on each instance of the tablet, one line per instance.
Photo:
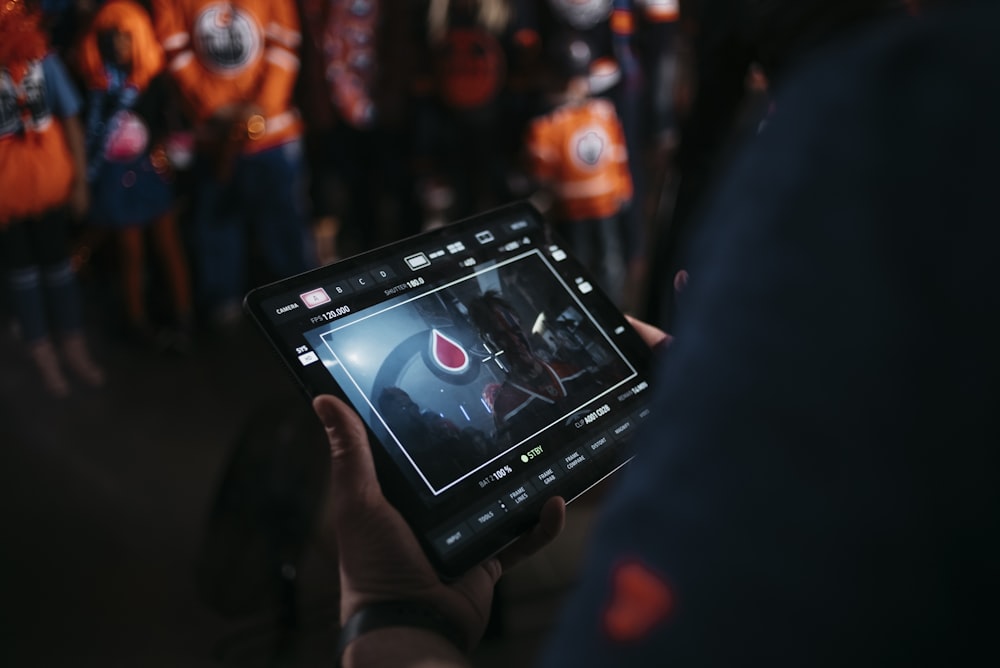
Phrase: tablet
(490, 369)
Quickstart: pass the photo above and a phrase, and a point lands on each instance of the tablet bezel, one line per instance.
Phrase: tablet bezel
(397, 486)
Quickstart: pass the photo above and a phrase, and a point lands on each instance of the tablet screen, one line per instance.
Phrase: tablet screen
(490, 370)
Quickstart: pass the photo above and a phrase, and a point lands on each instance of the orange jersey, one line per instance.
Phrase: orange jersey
(36, 168)
(578, 151)
(660, 11)
(244, 51)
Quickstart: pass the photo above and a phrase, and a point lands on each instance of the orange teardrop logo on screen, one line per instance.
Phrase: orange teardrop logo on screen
(448, 353)
(640, 601)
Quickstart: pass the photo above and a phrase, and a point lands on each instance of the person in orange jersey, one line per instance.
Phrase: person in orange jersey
(577, 156)
(236, 64)
(42, 182)
(122, 66)
(632, 45)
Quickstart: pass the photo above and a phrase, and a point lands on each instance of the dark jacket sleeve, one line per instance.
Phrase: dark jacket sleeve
(817, 486)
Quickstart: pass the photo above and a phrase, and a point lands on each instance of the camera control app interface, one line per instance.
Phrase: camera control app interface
(478, 363)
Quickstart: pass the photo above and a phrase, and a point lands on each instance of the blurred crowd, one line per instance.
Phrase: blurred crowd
(184, 151)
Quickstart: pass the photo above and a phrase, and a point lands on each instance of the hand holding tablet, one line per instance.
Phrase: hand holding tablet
(488, 369)
(380, 558)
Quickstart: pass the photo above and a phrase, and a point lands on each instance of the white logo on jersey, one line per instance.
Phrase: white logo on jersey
(588, 146)
(10, 121)
(226, 39)
(31, 92)
(582, 14)
(661, 6)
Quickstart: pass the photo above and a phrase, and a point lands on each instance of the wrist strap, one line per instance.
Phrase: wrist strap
(385, 614)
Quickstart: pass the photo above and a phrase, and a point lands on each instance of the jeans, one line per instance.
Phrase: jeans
(40, 277)
(259, 212)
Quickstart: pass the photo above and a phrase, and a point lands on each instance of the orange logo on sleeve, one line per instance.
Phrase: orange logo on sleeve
(640, 600)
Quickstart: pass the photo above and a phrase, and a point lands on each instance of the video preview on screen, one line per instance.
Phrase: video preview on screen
(460, 375)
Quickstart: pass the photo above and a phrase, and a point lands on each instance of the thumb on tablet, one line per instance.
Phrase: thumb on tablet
(352, 471)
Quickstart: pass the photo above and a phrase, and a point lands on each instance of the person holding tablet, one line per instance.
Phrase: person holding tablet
(817, 485)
